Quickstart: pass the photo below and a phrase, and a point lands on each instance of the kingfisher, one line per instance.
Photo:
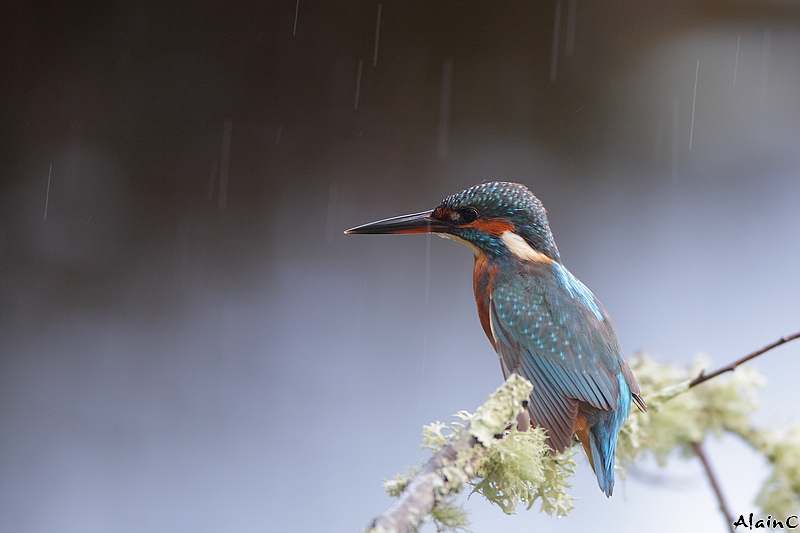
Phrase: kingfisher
(544, 324)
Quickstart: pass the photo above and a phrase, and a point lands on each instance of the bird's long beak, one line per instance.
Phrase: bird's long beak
(414, 223)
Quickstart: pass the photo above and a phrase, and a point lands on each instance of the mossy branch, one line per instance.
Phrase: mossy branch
(457, 461)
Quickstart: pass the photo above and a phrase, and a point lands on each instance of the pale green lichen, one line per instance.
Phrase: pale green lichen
(657, 399)
(436, 435)
(398, 483)
(516, 468)
(500, 409)
(723, 404)
(513, 469)
(678, 419)
(780, 493)
(449, 517)
(520, 469)
(553, 492)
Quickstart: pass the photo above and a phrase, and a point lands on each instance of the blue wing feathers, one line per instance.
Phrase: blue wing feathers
(576, 289)
(549, 409)
(549, 327)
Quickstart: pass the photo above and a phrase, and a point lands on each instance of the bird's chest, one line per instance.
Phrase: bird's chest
(483, 279)
(516, 295)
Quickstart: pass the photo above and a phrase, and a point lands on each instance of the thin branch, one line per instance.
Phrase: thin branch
(712, 479)
(728, 368)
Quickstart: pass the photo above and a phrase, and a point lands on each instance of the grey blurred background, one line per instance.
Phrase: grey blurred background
(189, 343)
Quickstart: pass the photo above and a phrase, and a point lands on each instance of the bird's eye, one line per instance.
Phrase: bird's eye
(468, 215)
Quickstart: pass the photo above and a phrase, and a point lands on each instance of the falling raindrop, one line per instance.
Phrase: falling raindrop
(224, 162)
(736, 63)
(572, 16)
(556, 24)
(278, 135)
(444, 109)
(358, 82)
(296, 11)
(694, 101)
(377, 36)
(47, 194)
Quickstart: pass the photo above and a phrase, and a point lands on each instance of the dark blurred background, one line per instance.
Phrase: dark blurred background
(189, 343)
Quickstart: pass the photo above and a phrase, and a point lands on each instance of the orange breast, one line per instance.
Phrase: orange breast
(482, 280)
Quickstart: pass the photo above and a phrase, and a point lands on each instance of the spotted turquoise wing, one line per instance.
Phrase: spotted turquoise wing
(549, 328)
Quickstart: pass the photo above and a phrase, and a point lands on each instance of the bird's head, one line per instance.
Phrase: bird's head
(496, 218)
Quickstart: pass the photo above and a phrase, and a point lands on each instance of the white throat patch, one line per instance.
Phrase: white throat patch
(521, 249)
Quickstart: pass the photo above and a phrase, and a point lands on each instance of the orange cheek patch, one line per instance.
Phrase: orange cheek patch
(493, 227)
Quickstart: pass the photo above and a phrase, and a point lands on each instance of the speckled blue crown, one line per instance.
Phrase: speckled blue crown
(497, 198)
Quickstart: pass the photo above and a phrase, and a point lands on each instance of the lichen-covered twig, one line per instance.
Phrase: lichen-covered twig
(457, 462)
(728, 368)
(428, 487)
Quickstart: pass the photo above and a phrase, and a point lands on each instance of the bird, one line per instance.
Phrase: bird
(544, 324)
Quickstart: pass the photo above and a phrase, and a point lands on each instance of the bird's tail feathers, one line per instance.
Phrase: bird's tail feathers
(598, 431)
(602, 448)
